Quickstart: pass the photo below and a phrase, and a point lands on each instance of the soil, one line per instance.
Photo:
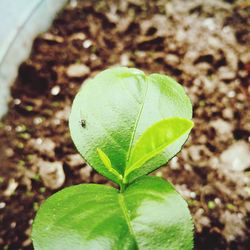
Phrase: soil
(204, 45)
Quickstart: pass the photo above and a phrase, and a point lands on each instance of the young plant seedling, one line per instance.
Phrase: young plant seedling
(133, 124)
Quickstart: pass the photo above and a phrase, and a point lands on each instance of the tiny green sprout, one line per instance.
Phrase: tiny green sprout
(107, 164)
(211, 205)
(29, 108)
(42, 189)
(230, 206)
(24, 136)
(133, 124)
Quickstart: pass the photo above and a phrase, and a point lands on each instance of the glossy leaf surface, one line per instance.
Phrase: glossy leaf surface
(117, 106)
(155, 139)
(150, 214)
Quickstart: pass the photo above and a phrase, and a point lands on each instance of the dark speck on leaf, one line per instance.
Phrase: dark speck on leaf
(83, 123)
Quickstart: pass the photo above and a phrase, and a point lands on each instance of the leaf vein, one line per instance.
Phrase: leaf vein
(136, 124)
(126, 215)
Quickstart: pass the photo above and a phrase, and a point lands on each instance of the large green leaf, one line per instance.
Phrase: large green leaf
(117, 106)
(155, 139)
(150, 214)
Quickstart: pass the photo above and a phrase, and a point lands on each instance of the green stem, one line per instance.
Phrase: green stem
(122, 187)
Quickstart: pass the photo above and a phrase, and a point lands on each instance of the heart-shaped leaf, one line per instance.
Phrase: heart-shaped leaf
(117, 106)
(155, 139)
(150, 214)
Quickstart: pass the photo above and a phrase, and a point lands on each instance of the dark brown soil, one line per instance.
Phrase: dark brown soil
(202, 44)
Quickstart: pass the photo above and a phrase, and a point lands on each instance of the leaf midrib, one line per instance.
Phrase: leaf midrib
(124, 209)
(136, 123)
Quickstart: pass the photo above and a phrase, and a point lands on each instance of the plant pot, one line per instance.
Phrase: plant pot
(22, 21)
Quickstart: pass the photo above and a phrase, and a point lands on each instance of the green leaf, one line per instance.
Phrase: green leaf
(117, 106)
(107, 163)
(150, 214)
(155, 139)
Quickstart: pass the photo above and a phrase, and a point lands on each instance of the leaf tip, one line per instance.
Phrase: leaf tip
(188, 124)
(191, 124)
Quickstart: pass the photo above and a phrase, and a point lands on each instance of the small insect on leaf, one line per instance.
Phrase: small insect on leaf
(155, 139)
(83, 123)
(107, 163)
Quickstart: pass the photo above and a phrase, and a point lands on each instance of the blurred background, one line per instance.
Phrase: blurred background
(48, 48)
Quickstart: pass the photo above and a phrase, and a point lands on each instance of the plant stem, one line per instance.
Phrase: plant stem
(122, 187)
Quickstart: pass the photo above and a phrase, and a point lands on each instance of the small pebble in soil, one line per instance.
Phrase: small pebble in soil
(74, 160)
(8, 128)
(9, 152)
(45, 146)
(39, 140)
(174, 163)
(63, 114)
(195, 152)
(124, 60)
(217, 201)
(77, 36)
(17, 101)
(21, 128)
(37, 120)
(12, 186)
(234, 225)
(13, 224)
(93, 57)
(56, 121)
(226, 74)
(159, 173)
(222, 127)
(228, 113)
(171, 59)
(55, 90)
(86, 44)
(73, 3)
(77, 70)
(85, 173)
(51, 37)
(26, 242)
(51, 173)
(209, 23)
(187, 167)
(236, 157)
(2, 205)
(193, 195)
(231, 94)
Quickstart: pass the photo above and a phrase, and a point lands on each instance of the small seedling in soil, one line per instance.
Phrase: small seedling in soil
(135, 124)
